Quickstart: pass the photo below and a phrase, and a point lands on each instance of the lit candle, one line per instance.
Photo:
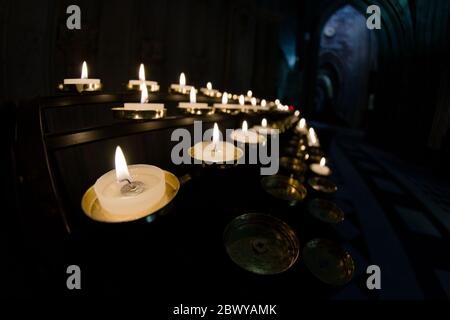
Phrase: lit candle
(247, 136)
(209, 91)
(181, 87)
(320, 168)
(263, 103)
(192, 106)
(297, 113)
(249, 93)
(215, 151)
(263, 129)
(253, 103)
(131, 189)
(153, 85)
(313, 141)
(225, 107)
(301, 126)
(144, 105)
(92, 84)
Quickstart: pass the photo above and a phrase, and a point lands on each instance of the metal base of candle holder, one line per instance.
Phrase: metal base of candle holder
(325, 211)
(137, 87)
(284, 188)
(93, 209)
(232, 112)
(79, 87)
(293, 165)
(198, 111)
(261, 244)
(328, 262)
(130, 114)
(322, 185)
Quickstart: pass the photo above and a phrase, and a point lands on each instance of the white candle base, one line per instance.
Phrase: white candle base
(247, 137)
(111, 198)
(144, 106)
(222, 152)
(320, 170)
(180, 89)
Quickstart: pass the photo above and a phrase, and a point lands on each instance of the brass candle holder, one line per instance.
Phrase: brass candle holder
(86, 87)
(322, 185)
(261, 244)
(328, 262)
(326, 211)
(136, 114)
(284, 188)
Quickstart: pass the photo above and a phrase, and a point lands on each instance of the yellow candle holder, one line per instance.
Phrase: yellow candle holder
(136, 114)
(86, 87)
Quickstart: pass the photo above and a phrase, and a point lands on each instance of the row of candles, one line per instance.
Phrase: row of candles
(133, 189)
(145, 86)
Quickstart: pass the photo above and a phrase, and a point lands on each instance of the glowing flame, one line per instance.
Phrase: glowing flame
(263, 103)
(302, 123)
(277, 102)
(297, 113)
(322, 162)
(241, 100)
(121, 166)
(84, 71)
(215, 137)
(312, 135)
(144, 93)
(244, 126)
(193, 95)
(264, 123)
(209, 86)
(224, 98)
(182, 79)
(253, 101)
(249, 93)
(141, 72)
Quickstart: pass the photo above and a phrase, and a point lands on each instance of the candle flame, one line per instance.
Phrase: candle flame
(241, 100)
(182, 79)
(253, 101)
(215, 138)
(84, 71)
(277, 102)
(141, 72)
(249, 93)
(244, 126)
(322, 162)
(144, 93)
(297, 113)
(264, 123)
(121, 166)
(209, 86)
(193, 95)
(263, 103)
(224, 98)
(302, 123)
(312, 135)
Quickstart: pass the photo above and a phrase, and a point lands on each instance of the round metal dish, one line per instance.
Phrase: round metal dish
(198, 111)
(328, 262)
(293, 165)
(130, 114)
(238, 153)
(92, 208)
(322, 185)
(80, 87)
(284, 188)
(261, 244)
(295, 152)
(325, 211)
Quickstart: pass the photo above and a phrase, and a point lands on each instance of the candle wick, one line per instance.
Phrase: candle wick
(127, 180)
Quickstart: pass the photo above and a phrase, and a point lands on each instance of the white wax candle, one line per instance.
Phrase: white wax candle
(313, 141)
(320, 168)
(84, 80)
(108, 190)
(218, 152)
(247, 136)
(144, 105)
(181, 86)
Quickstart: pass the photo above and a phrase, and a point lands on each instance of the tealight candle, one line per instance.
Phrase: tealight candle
(264, 105)
(92, 84)
(209, 91)
(225, 106)
(301, 126)
(144, 105)
(192, 105)
(216, 151)
(263, 129)
(181, 87)
(320, 168)
(247, 136)
(153, 85)
(130, 189)
(313, 141)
